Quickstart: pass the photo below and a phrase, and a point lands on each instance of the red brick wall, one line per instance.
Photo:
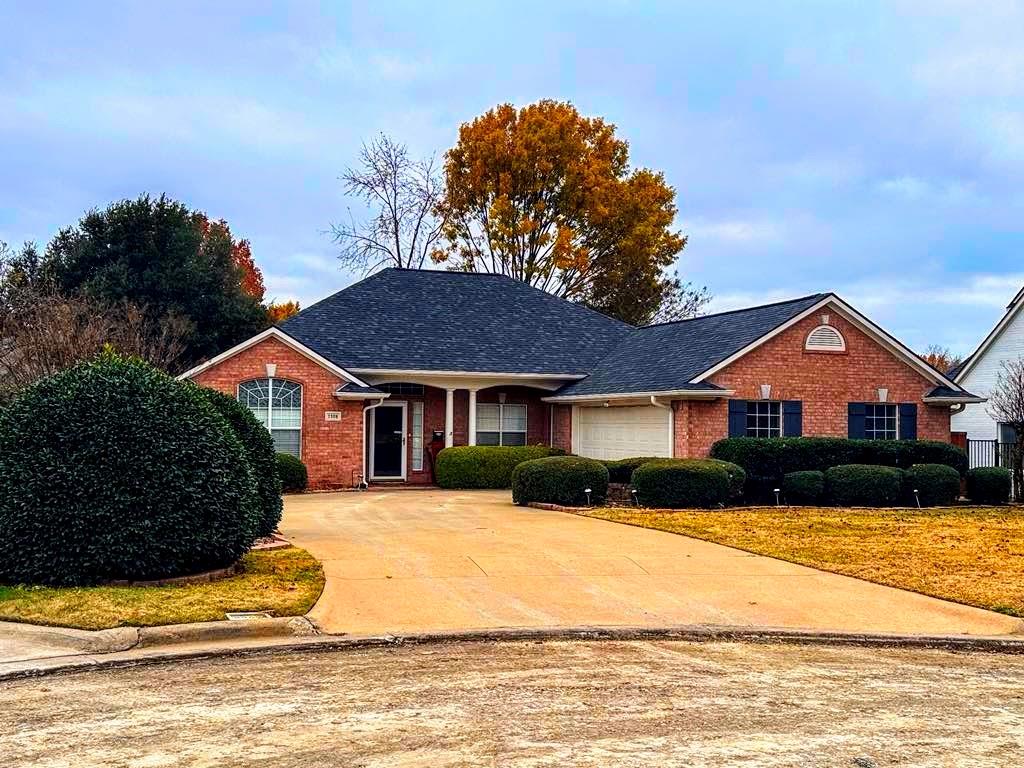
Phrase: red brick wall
(331, 450)
(824, 381)
(562, 433)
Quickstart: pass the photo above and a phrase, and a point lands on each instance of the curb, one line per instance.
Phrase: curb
(266, 644)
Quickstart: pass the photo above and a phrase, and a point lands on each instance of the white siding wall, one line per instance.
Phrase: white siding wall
(975, 420)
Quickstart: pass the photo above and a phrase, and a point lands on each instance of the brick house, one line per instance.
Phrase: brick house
(359, 384)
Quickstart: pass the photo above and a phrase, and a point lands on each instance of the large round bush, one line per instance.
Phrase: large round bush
(259, 449)
(804, 488)
(863, 485)
(293, 473)
(937, 485)
(560, 480)
(113, 470)
(988, 485)
(681, 483)
(621, 470)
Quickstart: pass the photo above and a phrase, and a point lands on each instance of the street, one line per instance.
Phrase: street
(530, 704)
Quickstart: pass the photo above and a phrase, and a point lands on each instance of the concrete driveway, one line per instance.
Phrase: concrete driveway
(408, 561)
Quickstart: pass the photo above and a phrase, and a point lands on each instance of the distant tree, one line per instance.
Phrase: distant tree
(1006, 406)
(278, 313)
(940, 357)
(168, 261)
(547, 196)
(402, 195)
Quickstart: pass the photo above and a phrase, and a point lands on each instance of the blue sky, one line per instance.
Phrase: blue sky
(873, 149)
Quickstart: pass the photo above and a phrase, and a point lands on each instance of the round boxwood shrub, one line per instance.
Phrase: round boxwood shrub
(988, 485)
(804, 488)
(560, 480)
(259, 449)
(737, 478)
(114, 470)
(863, 485)
(292, 472)
(937, 485)
(621, 470)
(485, 466)
(681, 483)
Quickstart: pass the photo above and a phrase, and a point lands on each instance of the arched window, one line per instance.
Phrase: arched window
(825, 338)
(277, 404)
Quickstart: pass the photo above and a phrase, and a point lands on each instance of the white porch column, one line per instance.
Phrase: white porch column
(472, 417)
(449, 418)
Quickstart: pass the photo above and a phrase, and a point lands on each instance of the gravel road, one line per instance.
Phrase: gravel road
(530, 704)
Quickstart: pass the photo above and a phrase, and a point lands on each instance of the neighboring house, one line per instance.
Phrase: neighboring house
(359, 383)
(978, 373)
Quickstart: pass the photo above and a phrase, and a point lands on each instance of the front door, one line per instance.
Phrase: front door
(388, 455)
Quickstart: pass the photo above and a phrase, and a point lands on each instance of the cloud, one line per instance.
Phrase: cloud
(734, 231)
(916, 189)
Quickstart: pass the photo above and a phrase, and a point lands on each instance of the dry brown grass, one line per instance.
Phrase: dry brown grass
(284, 581)
(969, 555)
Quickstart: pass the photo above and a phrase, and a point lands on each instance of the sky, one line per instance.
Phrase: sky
(873, 149)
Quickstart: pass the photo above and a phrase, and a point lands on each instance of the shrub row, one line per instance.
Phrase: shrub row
(988, 485)
(485, 466)
(561, 480)
(868, 485)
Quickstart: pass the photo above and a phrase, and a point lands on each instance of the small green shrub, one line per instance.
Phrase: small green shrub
(113, 470)
(292, 472)
(621, 470)
(988, 485)
(681, 483)
(936, 484)
(485, 466)
(863, 485)
(560, 480)
(805, 488)
(737, 478)
(259, 450)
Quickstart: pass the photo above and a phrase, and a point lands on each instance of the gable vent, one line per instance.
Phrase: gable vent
(825, 338)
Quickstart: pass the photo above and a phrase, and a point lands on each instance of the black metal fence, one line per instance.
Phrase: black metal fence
(988, 453)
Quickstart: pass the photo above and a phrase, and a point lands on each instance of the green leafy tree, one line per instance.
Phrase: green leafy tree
(167, 259)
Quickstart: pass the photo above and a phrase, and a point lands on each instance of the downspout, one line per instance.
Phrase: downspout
(654, 402)
(957, 407)
(671, 424)
(366, 447)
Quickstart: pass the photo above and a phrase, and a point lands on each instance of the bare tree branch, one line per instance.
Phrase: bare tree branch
(1006, 405)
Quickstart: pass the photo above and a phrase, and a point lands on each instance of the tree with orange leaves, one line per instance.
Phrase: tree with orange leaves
(278, 313)
(547, 196)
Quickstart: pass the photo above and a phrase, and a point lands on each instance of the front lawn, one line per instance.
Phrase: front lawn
(969, 555)
(284, 581)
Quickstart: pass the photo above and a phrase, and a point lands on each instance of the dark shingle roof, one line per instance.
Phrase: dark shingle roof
(356, 389)
(667, 356)
(944, 391)
(454, 321)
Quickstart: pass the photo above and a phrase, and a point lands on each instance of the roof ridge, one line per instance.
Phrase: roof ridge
(739, 309)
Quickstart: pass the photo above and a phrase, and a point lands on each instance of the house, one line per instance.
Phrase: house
(359, 384)
(1005, 342)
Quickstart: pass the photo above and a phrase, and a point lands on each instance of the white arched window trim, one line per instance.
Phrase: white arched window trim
(277, 404)
(825, 338)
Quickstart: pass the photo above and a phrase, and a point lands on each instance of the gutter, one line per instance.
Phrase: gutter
(676, 394)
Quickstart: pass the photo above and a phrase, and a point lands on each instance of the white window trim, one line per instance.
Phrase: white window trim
(810, 346)
(270, 402)
(501, 422)
(897, 420)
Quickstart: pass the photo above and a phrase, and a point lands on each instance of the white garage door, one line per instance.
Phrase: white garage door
(621, 433)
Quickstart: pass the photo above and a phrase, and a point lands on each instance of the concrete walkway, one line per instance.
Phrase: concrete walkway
(412, 561)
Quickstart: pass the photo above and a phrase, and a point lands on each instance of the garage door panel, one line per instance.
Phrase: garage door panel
(621, 433)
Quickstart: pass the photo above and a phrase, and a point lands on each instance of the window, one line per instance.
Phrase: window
(825, 338)
(500, 424)
(764, 418)
(278, 406)
(417, 436)
(880, 421)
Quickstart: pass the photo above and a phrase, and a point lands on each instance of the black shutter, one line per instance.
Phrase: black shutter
(855, 421)
(908, 421)
(792, 418)
(737, 418)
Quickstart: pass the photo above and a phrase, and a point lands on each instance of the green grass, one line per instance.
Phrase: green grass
(286, 582)
(971, 555)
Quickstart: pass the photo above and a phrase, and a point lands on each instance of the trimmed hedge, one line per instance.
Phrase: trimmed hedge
(988, 485)
(768, 460)
(621, 470)
(937, 485)
(737, 477)
(681, 483)
(805, 488)
(259, 449)
(560, 480)
(485, 466)
(292, 472)
(863, 485)
(114, 470)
